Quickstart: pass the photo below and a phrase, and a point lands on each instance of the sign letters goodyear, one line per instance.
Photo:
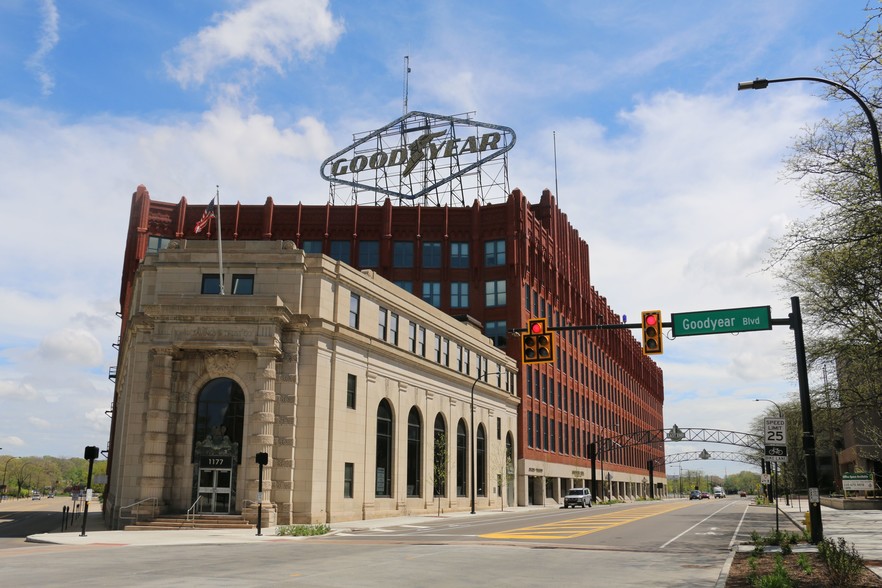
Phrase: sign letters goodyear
(712, 322)
(416, 154)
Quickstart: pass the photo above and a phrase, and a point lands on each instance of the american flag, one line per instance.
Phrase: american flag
(206, 216)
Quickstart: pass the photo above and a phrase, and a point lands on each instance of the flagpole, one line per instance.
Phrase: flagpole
(220, 251)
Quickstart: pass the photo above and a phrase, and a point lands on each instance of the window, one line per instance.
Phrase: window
(440, 462)
(348, 479)
(351, 384)
(421, 341)
(432, 293)
(459, 255)
(220, 414)
(411, 337)
(341, 251)
(354, 303)
(402, 254)
(494, 253)
(496, 330)
(481, 461)
(432, 254)
(243, 284)
(210, 284)
(382, 326)
(461, 458)
(445, 352)
(494, 293)
(459, 294)
(393, 329)
(437, 348)
(414, 452)
(384, 450)
(530, 428)
(312, 246)
(405, 285)
(155, 244)
(369, 254)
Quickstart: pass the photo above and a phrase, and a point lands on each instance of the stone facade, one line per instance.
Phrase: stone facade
(307, 342)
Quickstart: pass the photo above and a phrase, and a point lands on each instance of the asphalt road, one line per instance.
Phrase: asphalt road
(669, 543)
(20, 518)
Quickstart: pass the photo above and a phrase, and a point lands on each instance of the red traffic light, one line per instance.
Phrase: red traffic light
(536, 327)
(651, 320)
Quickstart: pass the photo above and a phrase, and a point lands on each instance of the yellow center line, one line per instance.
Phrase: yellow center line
(573, 528)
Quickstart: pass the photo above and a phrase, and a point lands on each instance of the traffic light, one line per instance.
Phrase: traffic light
(537, 344)
(652, 332)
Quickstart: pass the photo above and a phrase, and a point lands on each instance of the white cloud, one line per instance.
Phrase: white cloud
(15, 389)
(76, 346)
(265, 34)
(12, 441)
(46, 42)
(38, 422)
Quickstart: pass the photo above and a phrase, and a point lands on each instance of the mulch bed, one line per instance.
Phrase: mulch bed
(817, 576)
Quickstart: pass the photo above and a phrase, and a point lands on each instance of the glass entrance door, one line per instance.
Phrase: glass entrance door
(215, 489)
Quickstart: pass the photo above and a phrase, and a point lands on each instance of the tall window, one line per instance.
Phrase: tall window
(459, 255)
(414, 452)
(432, 293)
(348, 479)
(462, 458)
(382, 323)
(441, 458)
(393, 329)
(220, 414)
(432, 254)
(412, 337)
(437, 348)
(341, 251)
(421, 341)
(351, 384)
(354, 304)
(459, 294)
(383, 483)
(402, 254)
(481, 462)
(494, 253)
(494, 293)
(368, 254)
(406, 285)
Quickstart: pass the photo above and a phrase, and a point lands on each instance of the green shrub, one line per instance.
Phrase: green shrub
(803, 561)
(777, 579)
(303, 530)
(843, 562)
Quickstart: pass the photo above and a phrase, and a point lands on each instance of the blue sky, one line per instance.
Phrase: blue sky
(673, 178)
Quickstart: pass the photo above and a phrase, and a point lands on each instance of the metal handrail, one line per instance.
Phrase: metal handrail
(135, 515)
(191, 512)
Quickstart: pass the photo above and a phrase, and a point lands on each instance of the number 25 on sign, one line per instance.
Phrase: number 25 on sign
(775, 431)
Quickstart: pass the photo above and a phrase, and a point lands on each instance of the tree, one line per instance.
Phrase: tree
(832, 260)
(440, 465)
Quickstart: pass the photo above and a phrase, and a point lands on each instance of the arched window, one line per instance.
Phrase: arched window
(462, 458)
(414, 452)
(439, 475)
(384, 449)
(509, 468)
(481, 462)
(220, 417)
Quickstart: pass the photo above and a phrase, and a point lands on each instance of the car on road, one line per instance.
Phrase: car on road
(695, 495)
(578, 497)
(705, 495)
(742, 494)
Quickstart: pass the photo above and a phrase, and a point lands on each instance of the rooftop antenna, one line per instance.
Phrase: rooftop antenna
(554, 140)
(406, 78)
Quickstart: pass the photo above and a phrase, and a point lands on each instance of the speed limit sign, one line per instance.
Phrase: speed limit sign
(775, 431)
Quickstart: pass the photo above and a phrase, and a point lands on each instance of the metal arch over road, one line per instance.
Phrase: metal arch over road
(712, 455)
(675, 434)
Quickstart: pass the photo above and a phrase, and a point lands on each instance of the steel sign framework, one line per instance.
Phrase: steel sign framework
(423, 158)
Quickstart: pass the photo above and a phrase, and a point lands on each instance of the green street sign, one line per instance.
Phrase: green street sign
(712, 322)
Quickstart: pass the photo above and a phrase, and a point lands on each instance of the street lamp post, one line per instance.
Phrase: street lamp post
(473, 468)
(780, 415)
(762, 83)
(4, 477)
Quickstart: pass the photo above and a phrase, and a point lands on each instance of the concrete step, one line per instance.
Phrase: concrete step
(181, 522)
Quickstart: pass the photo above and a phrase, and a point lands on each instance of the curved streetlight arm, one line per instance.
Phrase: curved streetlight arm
(762, 83)
(780, 412)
